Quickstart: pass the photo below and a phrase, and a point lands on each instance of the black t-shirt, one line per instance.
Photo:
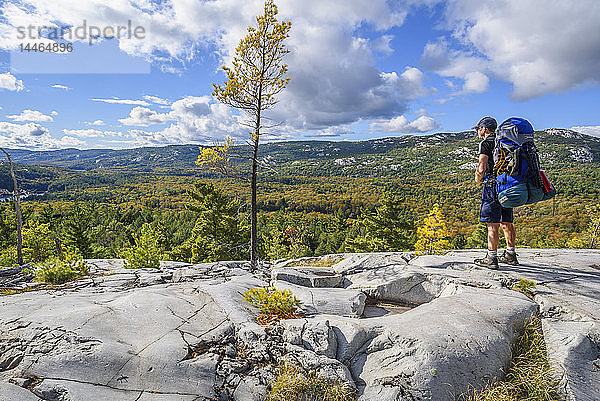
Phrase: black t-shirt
(486, 147)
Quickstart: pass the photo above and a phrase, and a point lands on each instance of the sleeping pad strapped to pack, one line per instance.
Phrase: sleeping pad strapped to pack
(517, 166)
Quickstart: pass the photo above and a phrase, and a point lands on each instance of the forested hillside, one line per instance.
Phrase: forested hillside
(315, 197)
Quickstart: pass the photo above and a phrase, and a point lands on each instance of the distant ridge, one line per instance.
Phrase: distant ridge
(583, 147)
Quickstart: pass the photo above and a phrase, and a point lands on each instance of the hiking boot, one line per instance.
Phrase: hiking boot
(508, 258)
(488, 263)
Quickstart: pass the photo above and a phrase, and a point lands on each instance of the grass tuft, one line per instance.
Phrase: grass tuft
(323, 262)
(529, 377)
(293, 383)
(14, 291)
(525, 286)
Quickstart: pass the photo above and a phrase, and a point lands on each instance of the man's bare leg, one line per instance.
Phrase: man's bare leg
(509, 234)
(493, 236)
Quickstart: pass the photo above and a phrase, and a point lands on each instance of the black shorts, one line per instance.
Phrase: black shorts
(491, 210)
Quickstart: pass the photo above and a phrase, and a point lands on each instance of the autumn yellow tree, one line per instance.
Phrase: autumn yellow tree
(432, 234)
(257, 76)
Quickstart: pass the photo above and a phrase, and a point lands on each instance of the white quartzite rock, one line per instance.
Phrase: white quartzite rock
(11, 392)
(432, 352)
(574, 356)
(115, 341)
(336, 301)
(184, 332)
(308, 276)
(567, 291)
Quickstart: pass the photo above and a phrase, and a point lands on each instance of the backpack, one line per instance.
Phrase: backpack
(519, 180)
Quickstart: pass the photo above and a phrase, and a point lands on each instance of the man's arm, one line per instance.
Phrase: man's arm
(481, 167)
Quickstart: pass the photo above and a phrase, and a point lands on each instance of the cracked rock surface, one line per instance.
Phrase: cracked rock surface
(129, 335)
(395, 327)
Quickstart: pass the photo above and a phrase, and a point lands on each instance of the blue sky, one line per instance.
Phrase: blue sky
(359, 69)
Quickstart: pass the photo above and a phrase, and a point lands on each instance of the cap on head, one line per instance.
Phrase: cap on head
(487, 122)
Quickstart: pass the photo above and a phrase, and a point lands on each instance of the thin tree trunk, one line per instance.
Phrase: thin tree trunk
(58, 247)
(254, 206)
(17, 197)
(593, 240)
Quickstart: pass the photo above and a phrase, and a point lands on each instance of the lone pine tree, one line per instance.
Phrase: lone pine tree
(257, 76)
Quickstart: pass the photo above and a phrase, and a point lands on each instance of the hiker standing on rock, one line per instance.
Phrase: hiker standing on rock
(492, 212)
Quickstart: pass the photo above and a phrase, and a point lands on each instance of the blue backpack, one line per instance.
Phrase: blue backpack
(517, 165)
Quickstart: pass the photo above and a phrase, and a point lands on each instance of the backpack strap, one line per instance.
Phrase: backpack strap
(501, 162)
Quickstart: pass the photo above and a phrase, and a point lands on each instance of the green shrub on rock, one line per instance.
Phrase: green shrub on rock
(8, 257)
(59, 270)
(273, 304)
(146, 252)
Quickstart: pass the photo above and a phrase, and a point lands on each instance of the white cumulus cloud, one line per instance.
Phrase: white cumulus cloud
(383, 44)
(476, 82)
(538, 46)
(10, 82)
(33, 136)
(402, 125)
(32, 115)
(193, 120)
(70, 142)
(334, 78)
(156, 99)
(143, 117)
(26, 130)
(331, 132)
